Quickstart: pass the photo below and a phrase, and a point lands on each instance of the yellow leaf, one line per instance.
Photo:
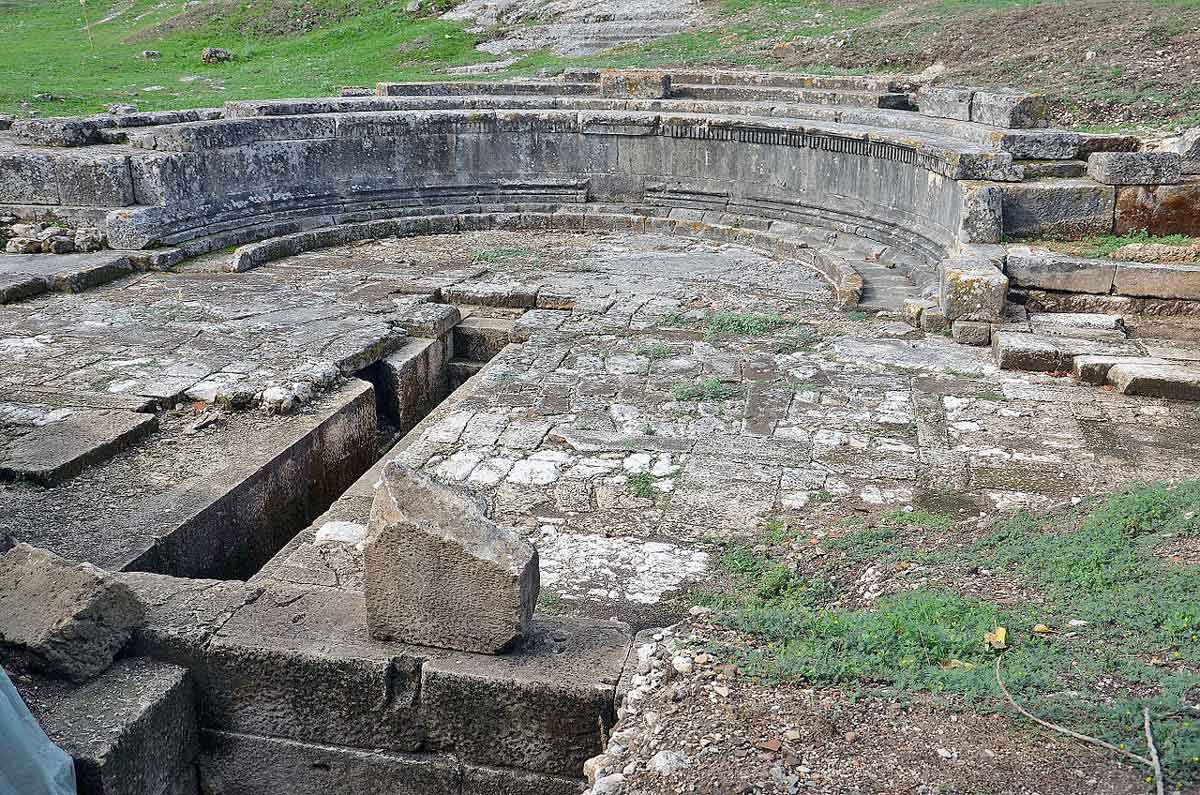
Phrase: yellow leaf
(1041, 629)
(956, 663)
(997, 639)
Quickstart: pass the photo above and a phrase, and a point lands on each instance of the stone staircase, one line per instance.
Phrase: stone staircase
(1096, 349)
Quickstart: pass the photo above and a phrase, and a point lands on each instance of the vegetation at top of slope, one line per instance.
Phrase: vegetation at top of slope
(1115, 625)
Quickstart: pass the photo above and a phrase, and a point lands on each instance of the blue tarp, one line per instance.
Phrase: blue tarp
(29, 763)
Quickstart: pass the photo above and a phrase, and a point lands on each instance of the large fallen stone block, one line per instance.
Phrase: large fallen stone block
(1151, 280)
(1134, 168)
(1065, 209)
(440, 573)
(66, 619)
(946, 102)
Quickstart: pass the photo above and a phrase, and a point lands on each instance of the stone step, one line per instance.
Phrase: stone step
(813, 96)
(1045, 353)
(1060, 169)
(1108, 328)
(1161, 380)
(1043, 269)
(731, 77)
(48, 445)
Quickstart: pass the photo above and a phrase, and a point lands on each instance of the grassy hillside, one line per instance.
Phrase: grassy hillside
(1116, 63)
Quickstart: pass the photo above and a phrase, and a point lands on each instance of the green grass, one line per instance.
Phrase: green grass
(1105, 246)
(918, 518)
(743, 324)
(642, 485)
(708, 389)
(1140, 644)
(655, 351)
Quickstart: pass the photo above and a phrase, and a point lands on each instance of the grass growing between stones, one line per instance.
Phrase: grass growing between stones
(708, 389)
(1117, 622)
(501, 254)
(1105, 246)
(743, 324)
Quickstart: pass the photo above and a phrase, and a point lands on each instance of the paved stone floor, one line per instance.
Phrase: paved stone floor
(624, 435)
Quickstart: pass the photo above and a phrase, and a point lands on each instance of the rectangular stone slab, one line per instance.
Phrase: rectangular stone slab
(132, 730)
(1174, 382)
(49, 454)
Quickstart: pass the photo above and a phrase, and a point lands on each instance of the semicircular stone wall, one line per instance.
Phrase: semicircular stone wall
(211, 177)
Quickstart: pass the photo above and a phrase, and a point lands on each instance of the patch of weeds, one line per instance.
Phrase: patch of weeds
(820, 496)
(675, 319)
(778, 531)
(1108, 244)
(990, 396)
(918, 518)
(550, 602)
(742, 324)
(760, 582)
(655, 351)
(708, 389)
(642, 485)
(649, 430)
(856, 315)
(867, 544)
(500, 254)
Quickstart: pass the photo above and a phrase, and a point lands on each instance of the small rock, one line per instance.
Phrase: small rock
(666, 763)
(120, 110)
(150, 55)
(23, 245)
(682, 664)
(88, 238)
(58, 245)
(216, 55)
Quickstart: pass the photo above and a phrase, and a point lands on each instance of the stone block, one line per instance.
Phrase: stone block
(946, 102)
(982, 217)
(933, 320)
(1159, 209)
(56, 451)
(1009, 109)
(971, 290)
(27, 177)
(481, 338)
(1171, 381)
(94, 180)
(1046, 270)
(427, 319)
(971, 332)
(1093, 369)
(131, 731)
(66, 619)
(1065, 209)
(414, 380)
(1151, 280)
(440, 573)
(635, 84)
(1134, 168)
(914, 308)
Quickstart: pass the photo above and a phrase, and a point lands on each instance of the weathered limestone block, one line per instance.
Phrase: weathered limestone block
(94, 180)
(1157, 281)
(67, 619)
(1187, 146)
(982, 217)
(1135, 168)
(1093, 369)
(131, 731)
(27, 177)
(946, 102)
(637, 84)
(440, 573)
(1066, 209)
(1175, 382)
(971, 332)
(1159, 209)
(1044, 269)
(1010, 109)
(972, 289)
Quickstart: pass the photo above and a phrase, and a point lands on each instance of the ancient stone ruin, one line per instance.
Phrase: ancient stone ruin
(284, 468)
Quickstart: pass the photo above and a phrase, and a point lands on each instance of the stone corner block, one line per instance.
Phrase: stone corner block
(1010, 109)
(440, 573)
(66, 619)
(1135, 168)
(972, 289)
(981, 219)
(971, 332)
(634, 84)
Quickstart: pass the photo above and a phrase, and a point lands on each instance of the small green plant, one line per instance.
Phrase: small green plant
(742, 324)
(708, 389)
(799, 339)
(642, 485)
(856, 315)
(1106, 245)
(778, 531)
(500, 254)
(918, 518)
(674, 319)
(655, 351)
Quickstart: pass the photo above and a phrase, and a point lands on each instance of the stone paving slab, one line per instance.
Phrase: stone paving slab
(48, 446)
